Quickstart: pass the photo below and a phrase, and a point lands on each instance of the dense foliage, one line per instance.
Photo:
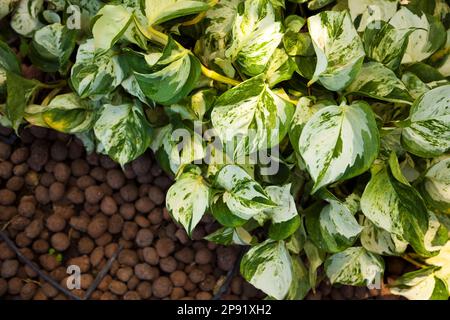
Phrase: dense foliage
(331, 121)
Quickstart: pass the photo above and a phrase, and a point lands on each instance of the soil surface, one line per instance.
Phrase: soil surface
(61, 207)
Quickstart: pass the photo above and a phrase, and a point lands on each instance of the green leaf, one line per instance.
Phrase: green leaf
(386, 44)
(378, 82)
(339, 50)
(316, 257)
(427, 133)
(428, 37)
(339, 143)
(255, 36)
(69, 114)
(268, 267)
(230, 236)
(123, 131)
(252, 114)
(111, 23)
(421, 285)
(300, 284)
(187, 200)
(333, 227)
(371, 10)
(442, 62)
(436, 185)
(167, 77)
(415, 86)
(25, 18)
(397, 208)
(298, 44)
(159, 11)
(8, 62)
(52, 47)
(19, 93)
(285, 218)
(95, 75)
(380, 241)
(354, 266)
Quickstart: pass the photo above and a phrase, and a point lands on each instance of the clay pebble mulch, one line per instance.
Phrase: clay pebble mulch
(61, 207)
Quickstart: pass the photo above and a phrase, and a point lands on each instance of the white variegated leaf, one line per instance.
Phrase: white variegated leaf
(95, 75)
(111, 23)
(229, 236)
(421, 285)
(6, 7)
(355, 266)
(415, 86)
(427, 131)
(380, 241)
(304, 110)
(255, 36)
(442, 260)
(397, 208)
(428, 37)
(436, 185)
(159, 11)
(443, 63)
(378, 82)
(339, 142)
(333, 228)
(25, 18)
(340, 52)
(68, 113)
(386, 44)
(285, 218)
(166, 77)
(372, 10)
(123, 131)
(268, 267)
(52, 47)
(252, 116)
(187, 200)
(243, 197)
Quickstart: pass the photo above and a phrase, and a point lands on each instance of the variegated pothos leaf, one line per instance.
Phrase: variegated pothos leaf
(123, 132)
(340, 52)
(427, 131)
(187, 200)
(268, 267)
(333, 227)
(256, 35)
(378, 82)
(355, 266)
(339, 142)
(252, 115)
(285, 218)
(436, 185)
(428, 37)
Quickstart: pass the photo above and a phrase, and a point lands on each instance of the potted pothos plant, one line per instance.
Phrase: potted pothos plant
(316, 132)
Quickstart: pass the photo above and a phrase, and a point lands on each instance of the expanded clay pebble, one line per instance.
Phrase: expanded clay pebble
(83, 209)
(5, 151)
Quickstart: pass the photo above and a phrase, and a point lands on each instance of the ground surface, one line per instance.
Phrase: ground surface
(61, 207)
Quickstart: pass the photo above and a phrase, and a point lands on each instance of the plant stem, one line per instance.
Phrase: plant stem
(59, 84)
(412, 261)
(218, 77)
(200, 16)
(50, 96)
(154, 35)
